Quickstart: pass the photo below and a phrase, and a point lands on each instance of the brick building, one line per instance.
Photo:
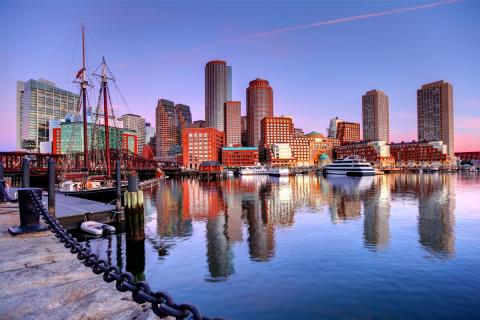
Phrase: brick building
(201, 144)
(233, 124)
(376, 152)
(418, 153)
(348, 132)
(466, 156)
(240, 156)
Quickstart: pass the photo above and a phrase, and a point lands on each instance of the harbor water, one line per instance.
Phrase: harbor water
(398, 246)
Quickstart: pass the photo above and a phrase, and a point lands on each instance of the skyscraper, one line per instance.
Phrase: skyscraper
(375, 116)
(184, 118)
(233, 128)
(218, 85)
(136, 123)
(243, 120)
(39, 101)
(259, 106)
(435, 113)
(166, 127)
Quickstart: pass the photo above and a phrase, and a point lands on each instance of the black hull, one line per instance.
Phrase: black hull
(103, 195)
(360, 174)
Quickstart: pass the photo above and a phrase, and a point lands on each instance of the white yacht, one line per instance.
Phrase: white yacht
(279, 172)
(253, 170)
(350, 166)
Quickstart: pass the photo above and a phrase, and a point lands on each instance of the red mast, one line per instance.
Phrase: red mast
(105, 114)
(84, 84)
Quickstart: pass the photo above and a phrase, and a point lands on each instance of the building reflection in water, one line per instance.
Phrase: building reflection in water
(252, 208)
(376, 210)
(436, 221)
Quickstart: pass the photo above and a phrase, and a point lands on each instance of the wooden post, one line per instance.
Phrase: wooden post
(134, 214)
(51, 186)
(118, 190)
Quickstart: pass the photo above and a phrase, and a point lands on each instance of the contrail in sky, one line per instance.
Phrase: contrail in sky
(329, 22)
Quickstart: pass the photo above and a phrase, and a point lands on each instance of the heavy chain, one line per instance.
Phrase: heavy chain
(162, 303)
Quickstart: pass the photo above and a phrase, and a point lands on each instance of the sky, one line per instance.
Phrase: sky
(320, 57)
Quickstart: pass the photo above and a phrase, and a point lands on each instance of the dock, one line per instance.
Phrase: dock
(43, 280)
(72, 211)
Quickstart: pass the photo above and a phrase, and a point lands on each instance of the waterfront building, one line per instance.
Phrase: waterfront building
(198, 124)
(302, 148)
(240, 156)
(259, 105)
(419, 153)
(217, 90)
(468, 156)
(244, 131)
(376, 152)
(375, 116)
(332, 129)
(135, 123)
(233, 130)
(279, 155)
(435, 113)
(68, 138)
(348, 132)
(201, 144)
(166, 121)
(275, 130)
(39, 101)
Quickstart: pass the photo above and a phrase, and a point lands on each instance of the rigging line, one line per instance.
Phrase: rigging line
(71, 61)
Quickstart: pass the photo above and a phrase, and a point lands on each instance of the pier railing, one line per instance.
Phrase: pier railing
(161, 302)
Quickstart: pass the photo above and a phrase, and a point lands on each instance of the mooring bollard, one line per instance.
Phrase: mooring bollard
(51, 186)
(25, 172)
(134, 219)
(29, 217)
(118, 189)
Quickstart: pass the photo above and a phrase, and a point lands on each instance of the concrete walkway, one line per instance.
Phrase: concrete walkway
(40, 279)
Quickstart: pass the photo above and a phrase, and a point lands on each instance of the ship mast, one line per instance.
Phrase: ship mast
(105, 114)
(84, 85)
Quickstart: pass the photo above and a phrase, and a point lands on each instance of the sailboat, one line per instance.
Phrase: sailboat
(94, 180)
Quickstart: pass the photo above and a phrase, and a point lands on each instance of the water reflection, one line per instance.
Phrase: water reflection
(247, 212)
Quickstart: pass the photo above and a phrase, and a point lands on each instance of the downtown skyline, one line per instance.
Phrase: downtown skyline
(311, 83)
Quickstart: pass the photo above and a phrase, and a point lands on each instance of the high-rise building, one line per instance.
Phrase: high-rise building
(229, 83)
(348, 132)
(198, 124)
(218, 84)
(166, 126)
(435, 113)
(233, 130)
(39, 101)
(184, 117)
(375, 116)
(259, 106)
(201, 144)
(244, 122)
(136, 123)
(332, 129)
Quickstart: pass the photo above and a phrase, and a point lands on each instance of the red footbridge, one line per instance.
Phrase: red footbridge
(12, 162)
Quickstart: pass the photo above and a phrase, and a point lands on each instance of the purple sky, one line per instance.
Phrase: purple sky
(319, 56)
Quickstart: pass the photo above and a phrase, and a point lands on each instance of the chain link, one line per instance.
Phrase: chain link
(162, 303)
